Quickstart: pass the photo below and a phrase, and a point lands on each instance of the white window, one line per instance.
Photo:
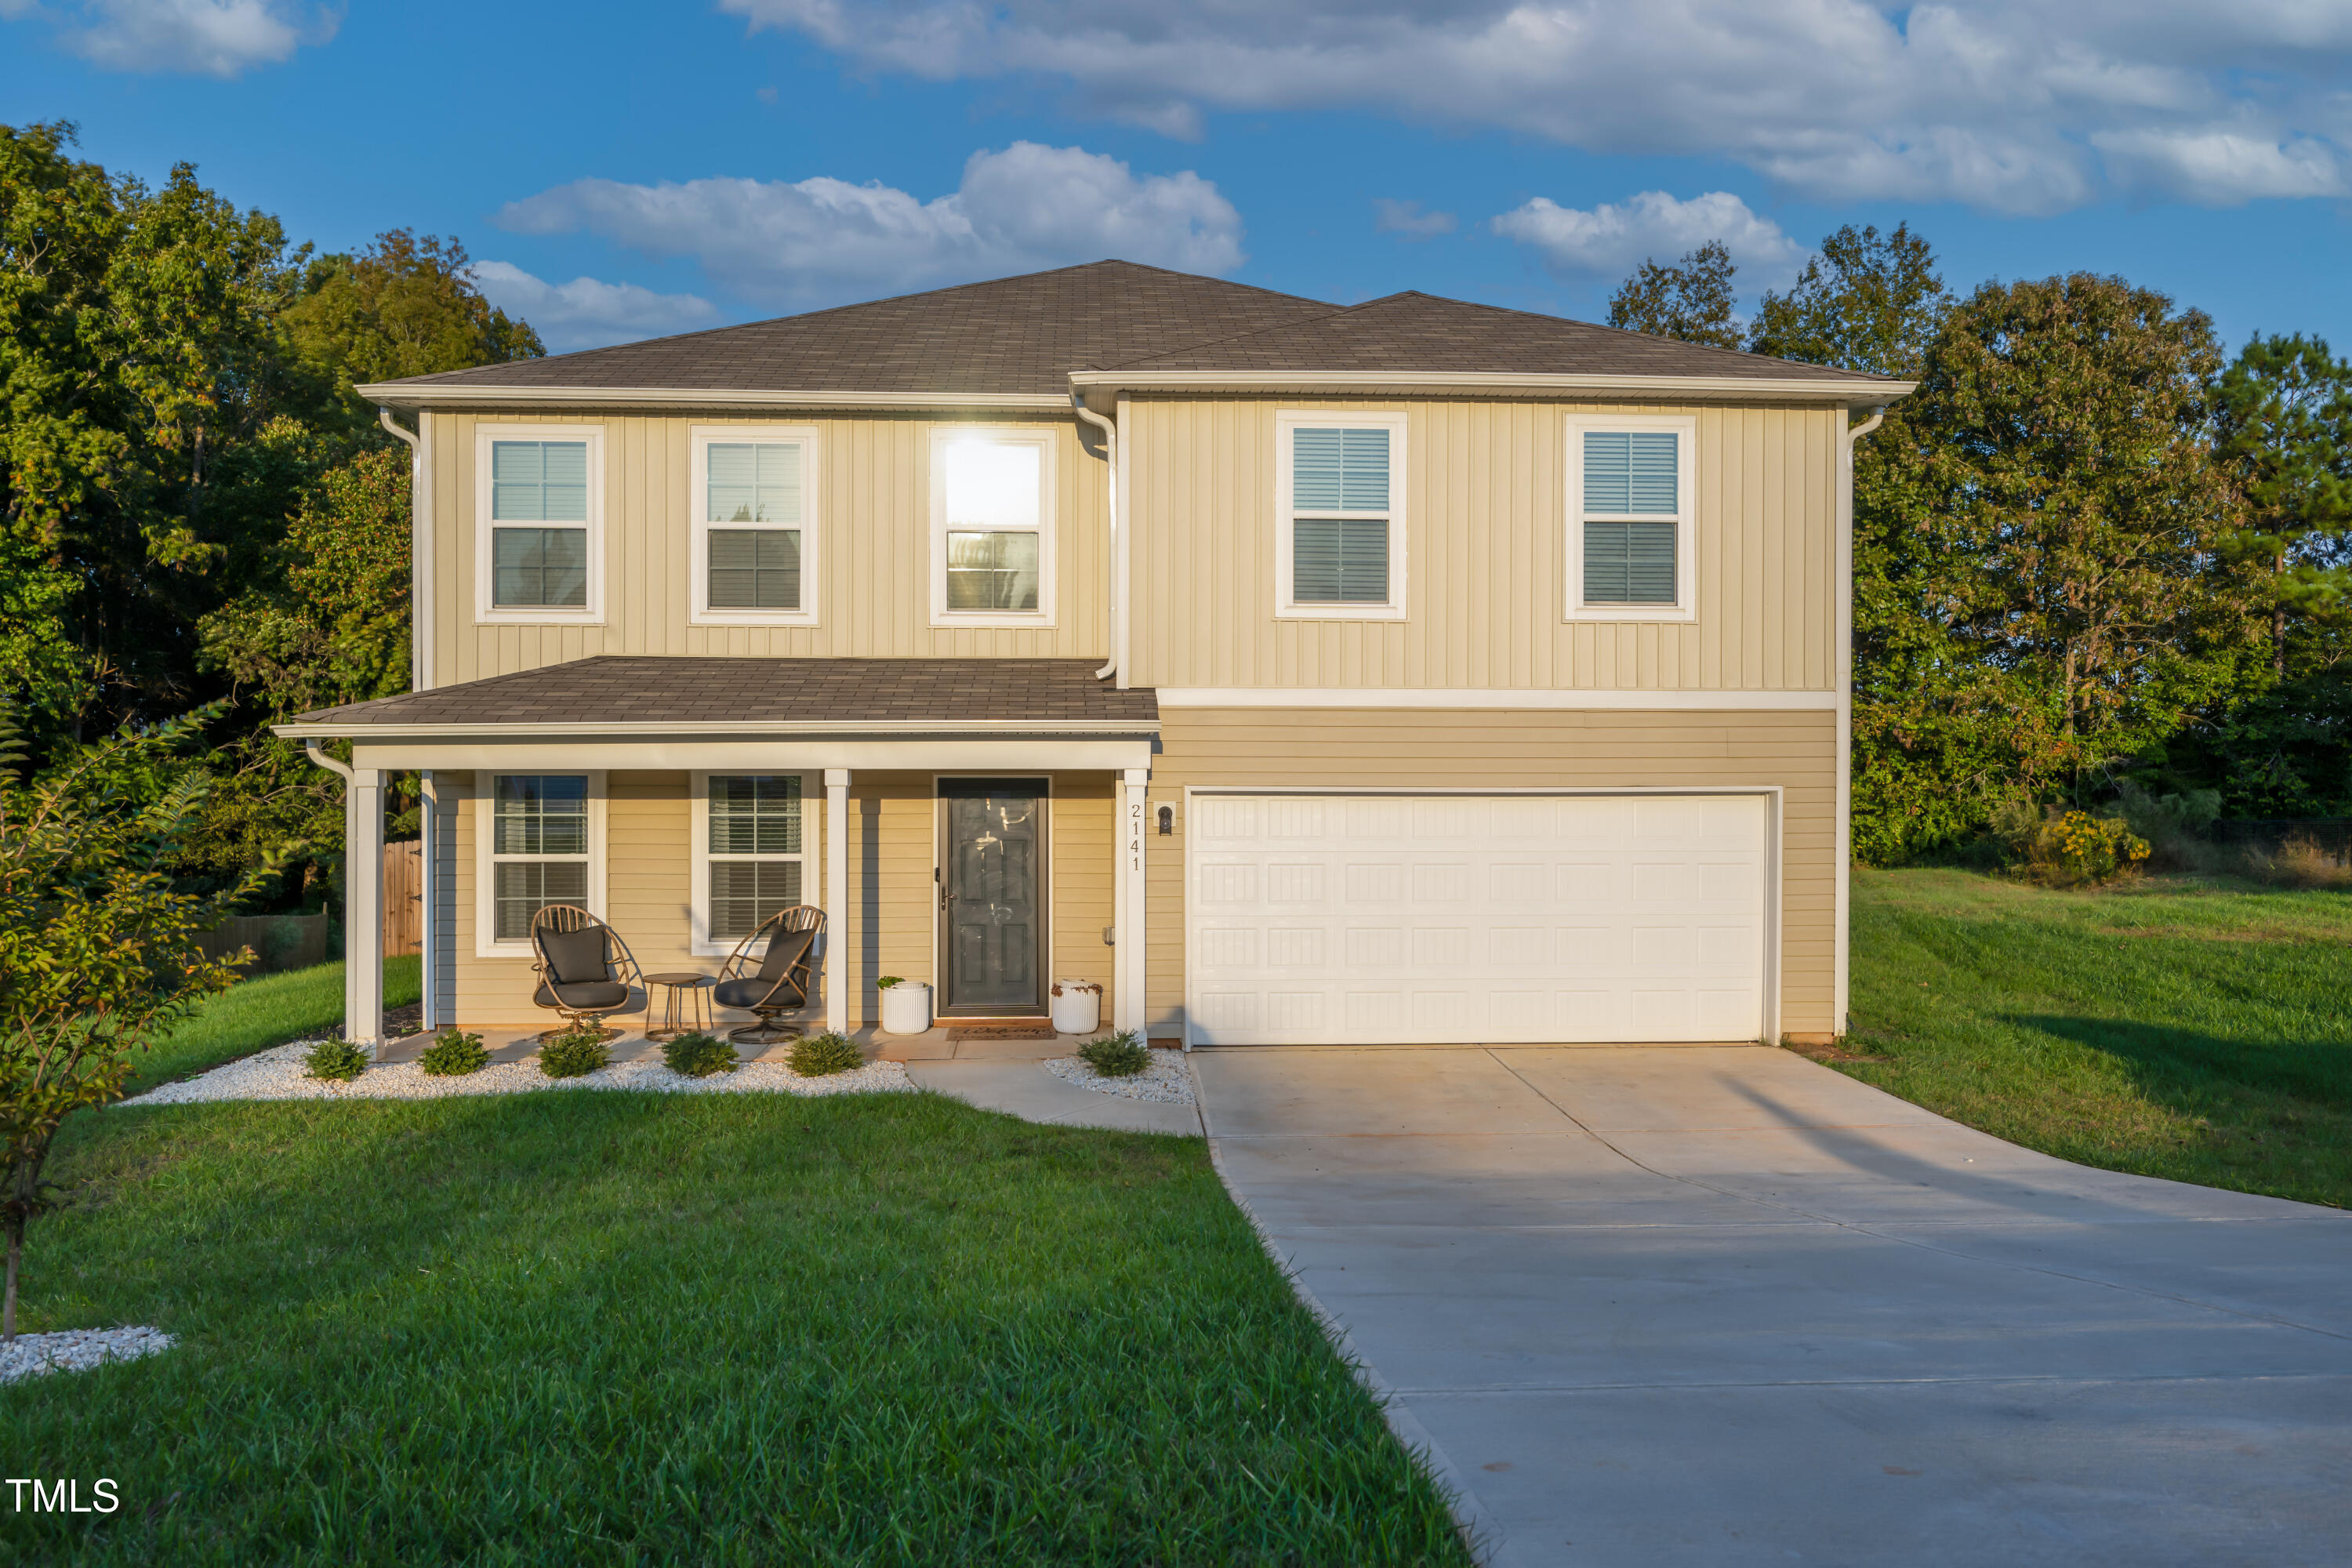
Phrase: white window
(755, 528)
(1340, 513)
(539, 505)
(749, 853)
(991, 527)
(539, 841)
(1629, 518)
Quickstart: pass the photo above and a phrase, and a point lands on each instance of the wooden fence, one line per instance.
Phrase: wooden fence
(404, 897)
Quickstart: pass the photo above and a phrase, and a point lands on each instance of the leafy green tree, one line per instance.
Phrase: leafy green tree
(2284, 419)
(405, 306)
(1691, 299)
(2042, 589)
(1867, 302)
(98, 946)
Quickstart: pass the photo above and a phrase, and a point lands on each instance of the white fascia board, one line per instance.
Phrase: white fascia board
(977, 755)
(458, 395)
(1713, 388)
(947, 729)
(1612, 700)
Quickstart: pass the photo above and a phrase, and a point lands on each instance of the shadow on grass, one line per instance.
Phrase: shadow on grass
(2179, 1066)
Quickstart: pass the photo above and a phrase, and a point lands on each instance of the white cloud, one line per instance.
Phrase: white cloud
(2011, 105)
(587, 314)
(823, 239)
(1392, 217)
(1611, 239)
(199, 38)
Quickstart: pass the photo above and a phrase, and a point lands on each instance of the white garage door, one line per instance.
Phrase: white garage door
(1336, 919)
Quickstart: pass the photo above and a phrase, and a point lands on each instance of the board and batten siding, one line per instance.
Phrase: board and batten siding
(1396, 748)
(889, 926)
(1485, 524)
(872, 507)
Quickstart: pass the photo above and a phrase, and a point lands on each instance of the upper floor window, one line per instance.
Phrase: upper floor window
(1339, 506)
(1630, 517)
(538, 495)
(754, 530)
(992, 527)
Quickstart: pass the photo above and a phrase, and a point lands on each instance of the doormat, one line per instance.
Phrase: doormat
(1038, 1031)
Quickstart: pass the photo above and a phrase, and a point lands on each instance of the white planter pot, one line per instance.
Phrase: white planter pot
(907, 1008)
(1077, 1006)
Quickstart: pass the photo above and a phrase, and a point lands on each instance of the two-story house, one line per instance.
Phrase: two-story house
(1406, 671)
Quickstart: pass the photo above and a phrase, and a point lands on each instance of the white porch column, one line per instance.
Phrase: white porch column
(1128, 908)
(836, 899)
(363, 908)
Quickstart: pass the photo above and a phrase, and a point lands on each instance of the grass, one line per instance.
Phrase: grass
(266, 1010)
(718, 1328)
(2182, 1027)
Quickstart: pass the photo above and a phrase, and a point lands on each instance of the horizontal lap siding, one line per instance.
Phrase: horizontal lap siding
(1486, 526)
(1326, 747)
(874, 519)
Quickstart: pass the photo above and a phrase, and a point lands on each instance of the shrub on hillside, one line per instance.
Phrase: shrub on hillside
(1116, 1056)
(698, 1055)
(819, 1055)
(453, 1054)
(575, 1052)
(2070, 850)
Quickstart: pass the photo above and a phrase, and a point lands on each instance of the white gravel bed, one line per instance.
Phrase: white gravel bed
(76, 1350)
(277, 1074)
(1167, 1081)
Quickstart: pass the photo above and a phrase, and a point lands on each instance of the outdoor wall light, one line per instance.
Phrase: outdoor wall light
(1167, 821)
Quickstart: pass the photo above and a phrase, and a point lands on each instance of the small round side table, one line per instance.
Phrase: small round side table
(685, 1003)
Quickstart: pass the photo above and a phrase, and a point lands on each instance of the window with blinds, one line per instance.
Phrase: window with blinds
(752, 851)
(538, 848)
(539, 524)
(995, 523)
(1340, 515)
(1632, 516)
(751, 503)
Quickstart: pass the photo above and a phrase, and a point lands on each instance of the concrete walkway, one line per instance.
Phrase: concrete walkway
(1721, 1305)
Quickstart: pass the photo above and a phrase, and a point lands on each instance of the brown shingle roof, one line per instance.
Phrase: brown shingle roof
(1016, 334)
(1414, 333)
(693, 693)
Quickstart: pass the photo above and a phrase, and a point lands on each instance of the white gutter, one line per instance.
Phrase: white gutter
(420, 551)
(1115, 593)
(457, 394)
(1841, 981)
(1772, 388)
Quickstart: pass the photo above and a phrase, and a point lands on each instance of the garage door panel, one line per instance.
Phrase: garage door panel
(1405, 918)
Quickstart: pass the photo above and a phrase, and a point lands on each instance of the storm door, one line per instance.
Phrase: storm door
(992, 896)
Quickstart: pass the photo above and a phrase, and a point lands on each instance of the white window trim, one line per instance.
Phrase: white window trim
(1045, 438)
(1685, 605)
(703, 943)
(487, 612)
(698, 610)
(1398, 425)
(485, 804)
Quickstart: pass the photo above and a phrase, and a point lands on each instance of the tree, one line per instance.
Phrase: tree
(1867, 302)
(1692, 299)
(2285, 421)
(98, 948)
(2040, 585)
(405, 306)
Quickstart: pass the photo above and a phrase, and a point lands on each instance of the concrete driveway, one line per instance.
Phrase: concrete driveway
(1723, 1305)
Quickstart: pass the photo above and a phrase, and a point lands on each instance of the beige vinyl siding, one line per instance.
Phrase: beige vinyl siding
(1398, 749)
(890, 926)
(872, 506)
(1485, 521)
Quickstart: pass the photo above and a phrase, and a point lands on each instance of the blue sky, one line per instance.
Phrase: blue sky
(622, 171)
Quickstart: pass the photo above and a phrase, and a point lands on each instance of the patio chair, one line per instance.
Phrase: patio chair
(585, 970)
(780, 982)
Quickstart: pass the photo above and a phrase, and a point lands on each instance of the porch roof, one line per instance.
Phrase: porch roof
(643, 694)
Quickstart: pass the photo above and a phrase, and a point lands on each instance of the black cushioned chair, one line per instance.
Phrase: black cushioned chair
(778, 982)
(585, 970)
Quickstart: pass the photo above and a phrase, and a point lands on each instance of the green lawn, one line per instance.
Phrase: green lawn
(2170, 1027)
(266, 1010)
(727, 1329)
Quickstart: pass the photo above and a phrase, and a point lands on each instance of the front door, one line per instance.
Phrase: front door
(991, 882)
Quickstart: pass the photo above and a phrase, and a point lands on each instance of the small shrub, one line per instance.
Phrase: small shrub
(699, 1055)
(575, 1052)
(337, 1060)
(820, 1056)
(453, 1054)
(1116, 1056)
(888, 981)
(2079, 848)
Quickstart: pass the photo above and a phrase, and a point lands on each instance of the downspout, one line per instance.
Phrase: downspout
(1117, 586)
(1842, 981)
(418, 544)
